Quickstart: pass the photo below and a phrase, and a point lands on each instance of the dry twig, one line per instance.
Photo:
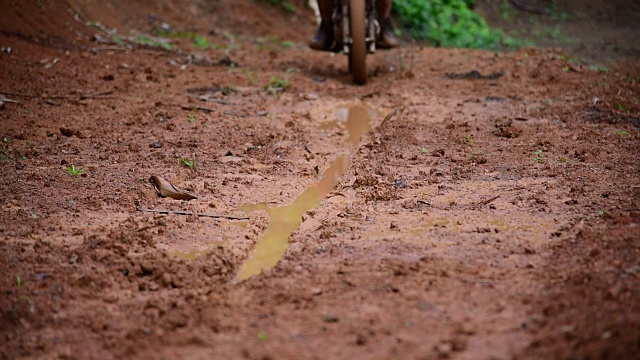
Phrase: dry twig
(174, 212)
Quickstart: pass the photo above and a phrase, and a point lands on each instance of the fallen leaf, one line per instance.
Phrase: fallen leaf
(166, 189)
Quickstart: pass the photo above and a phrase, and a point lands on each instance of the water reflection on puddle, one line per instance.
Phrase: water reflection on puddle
(188, 255)
(272, 246)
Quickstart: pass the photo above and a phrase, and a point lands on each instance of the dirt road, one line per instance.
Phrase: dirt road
(464, 204)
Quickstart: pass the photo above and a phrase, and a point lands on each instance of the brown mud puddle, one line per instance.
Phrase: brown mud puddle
(285, 220)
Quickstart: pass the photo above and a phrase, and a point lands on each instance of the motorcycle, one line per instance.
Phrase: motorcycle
(355, 34)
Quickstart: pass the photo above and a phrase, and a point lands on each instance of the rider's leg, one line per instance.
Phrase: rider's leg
(387, 38)
(323, 40)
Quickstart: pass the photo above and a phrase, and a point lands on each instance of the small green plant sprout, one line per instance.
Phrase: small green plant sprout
(262, 336)
(191, 164)
(75, 171)
(251, 76)
(201, 42)
(538, 157)
(470, 140)
(278, 84)
(622, 133)
(287, 44)
(621, 107)
(146, 40)
(602, 84)
(562, 159)
(603, 213)
(5, 152)
(288, 7)
(191, 118)
(556, 13)
(598, 68)
(425, 150)
(18, 281)
(292, 70)
(229, 89)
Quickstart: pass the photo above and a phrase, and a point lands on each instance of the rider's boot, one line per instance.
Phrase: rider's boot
(323, 40)
(387, 38)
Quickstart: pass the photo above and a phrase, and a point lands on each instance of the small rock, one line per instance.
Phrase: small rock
(316, 291)
(177, 319)
(156, 144)
(444, 349)
(331, 318)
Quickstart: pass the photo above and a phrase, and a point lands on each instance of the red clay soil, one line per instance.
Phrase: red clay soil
(489, 217)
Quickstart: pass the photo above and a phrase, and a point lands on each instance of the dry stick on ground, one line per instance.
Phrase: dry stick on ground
(233, 113)
(387, 118)
(199, 108)
(218, 101)
(102, 95)
(192, 213)
(484, 202)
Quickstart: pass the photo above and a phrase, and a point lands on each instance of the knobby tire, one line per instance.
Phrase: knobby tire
(358, 51)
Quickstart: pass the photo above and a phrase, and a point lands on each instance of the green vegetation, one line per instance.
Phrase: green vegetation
(622, 108)
(598, 68)
(251, 76)
(191, 164)
(278, 84)
(75, 171)
(470, 140)
(538, 157)
(6, 153)
(286, 5)
(146, 40)
(198, 40)
(602, 83)
(556, 13)
(272, 44)
(262, 336)
(450, 23)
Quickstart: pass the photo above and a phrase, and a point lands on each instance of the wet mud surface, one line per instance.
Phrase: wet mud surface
(464, 204)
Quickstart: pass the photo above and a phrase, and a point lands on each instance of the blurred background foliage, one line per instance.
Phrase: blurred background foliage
(445, 23)
(450, 23)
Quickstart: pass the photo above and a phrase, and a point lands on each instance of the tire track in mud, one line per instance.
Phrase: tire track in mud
(284, 220)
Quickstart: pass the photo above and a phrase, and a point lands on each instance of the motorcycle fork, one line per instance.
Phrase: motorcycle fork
(341, 19)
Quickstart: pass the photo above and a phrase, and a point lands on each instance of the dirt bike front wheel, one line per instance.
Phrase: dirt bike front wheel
(358, 49)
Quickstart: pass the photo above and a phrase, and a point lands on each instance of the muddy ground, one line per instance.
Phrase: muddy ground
(491, 217)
